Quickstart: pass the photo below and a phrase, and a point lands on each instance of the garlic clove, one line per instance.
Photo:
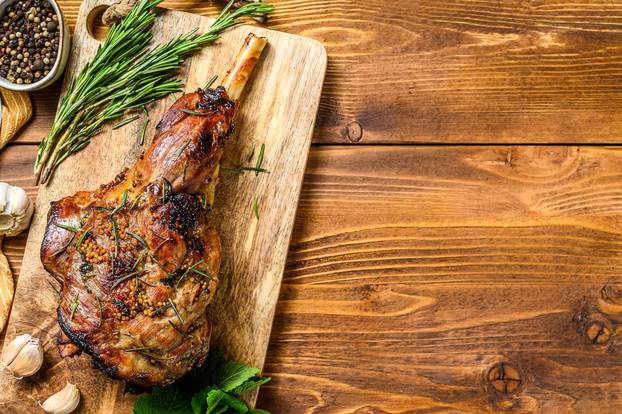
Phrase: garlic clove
(15, 209)
(12, 349)
(24, 357)
(63, 402)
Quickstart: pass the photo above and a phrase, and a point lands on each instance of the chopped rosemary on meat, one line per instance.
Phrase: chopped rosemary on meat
(183, 148)
(188, 270)
(126, 277)
(196, 113)
(82, 237)
(115, 232)
(260, 159)
(141, 139)
(126, 121)
(256, 207)
(210, 81)
(121, 204)
(68, 227)
(137, 237)
(74, 306)
(136, 201)
(140, 259)
(176, 311)
(177, 328)
(123, 75)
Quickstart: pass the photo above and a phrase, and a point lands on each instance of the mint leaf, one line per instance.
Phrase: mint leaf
(232, 374)
(169, 400)
(218, 398)
(251, 384)
(199, 400)
(257, 411)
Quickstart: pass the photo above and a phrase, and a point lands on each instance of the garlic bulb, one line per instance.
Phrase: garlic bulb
(23, 356)
(15, 210)
(64, 401)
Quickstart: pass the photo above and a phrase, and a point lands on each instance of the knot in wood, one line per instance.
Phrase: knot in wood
(598, 332)
(354, 131)
(504, 378)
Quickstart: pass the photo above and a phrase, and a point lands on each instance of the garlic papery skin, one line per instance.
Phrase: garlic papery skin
(15, 210)
(23, 357)
(63, 402)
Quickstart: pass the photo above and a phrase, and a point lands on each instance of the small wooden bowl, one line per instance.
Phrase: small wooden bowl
(61, 58)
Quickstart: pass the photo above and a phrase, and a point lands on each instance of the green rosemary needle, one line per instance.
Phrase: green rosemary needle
(125, 122)
(260, 159)
(142, 132)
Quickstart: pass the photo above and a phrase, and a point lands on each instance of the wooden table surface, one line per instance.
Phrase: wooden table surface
(438, 264)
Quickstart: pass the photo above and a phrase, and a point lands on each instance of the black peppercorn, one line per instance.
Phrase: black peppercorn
(29, 40)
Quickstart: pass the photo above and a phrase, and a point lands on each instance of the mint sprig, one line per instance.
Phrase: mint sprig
(215, 388)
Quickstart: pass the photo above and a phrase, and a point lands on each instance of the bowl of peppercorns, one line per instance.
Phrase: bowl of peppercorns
(34, 44)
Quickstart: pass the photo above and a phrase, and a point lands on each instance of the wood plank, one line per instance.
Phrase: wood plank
(414, 270)
(292, 70)
(456, 70)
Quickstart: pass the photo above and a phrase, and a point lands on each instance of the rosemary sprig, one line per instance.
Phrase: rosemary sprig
(124, 75)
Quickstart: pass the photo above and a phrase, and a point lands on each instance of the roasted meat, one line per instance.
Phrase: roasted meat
(138, 258)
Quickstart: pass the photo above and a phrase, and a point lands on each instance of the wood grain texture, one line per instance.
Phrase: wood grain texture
(412, 271)
(254, 251)
(455, 71)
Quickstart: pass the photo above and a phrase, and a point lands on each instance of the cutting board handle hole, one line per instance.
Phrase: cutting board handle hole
(94, 25)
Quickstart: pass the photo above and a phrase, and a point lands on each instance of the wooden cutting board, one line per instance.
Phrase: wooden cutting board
(279, 109)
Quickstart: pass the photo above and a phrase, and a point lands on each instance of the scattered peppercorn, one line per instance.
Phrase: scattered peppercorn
(29, 41)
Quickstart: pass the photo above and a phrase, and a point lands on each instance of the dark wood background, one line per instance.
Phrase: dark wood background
(439, 264)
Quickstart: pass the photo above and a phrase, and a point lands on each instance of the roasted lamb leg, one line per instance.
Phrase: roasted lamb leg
(138, 259)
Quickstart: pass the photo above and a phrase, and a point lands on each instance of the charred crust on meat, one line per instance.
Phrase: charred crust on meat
(212, 99)
(182, 213)
(80, 340)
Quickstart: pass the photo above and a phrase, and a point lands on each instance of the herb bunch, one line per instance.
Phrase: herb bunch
(125, 75)
(216, 387)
